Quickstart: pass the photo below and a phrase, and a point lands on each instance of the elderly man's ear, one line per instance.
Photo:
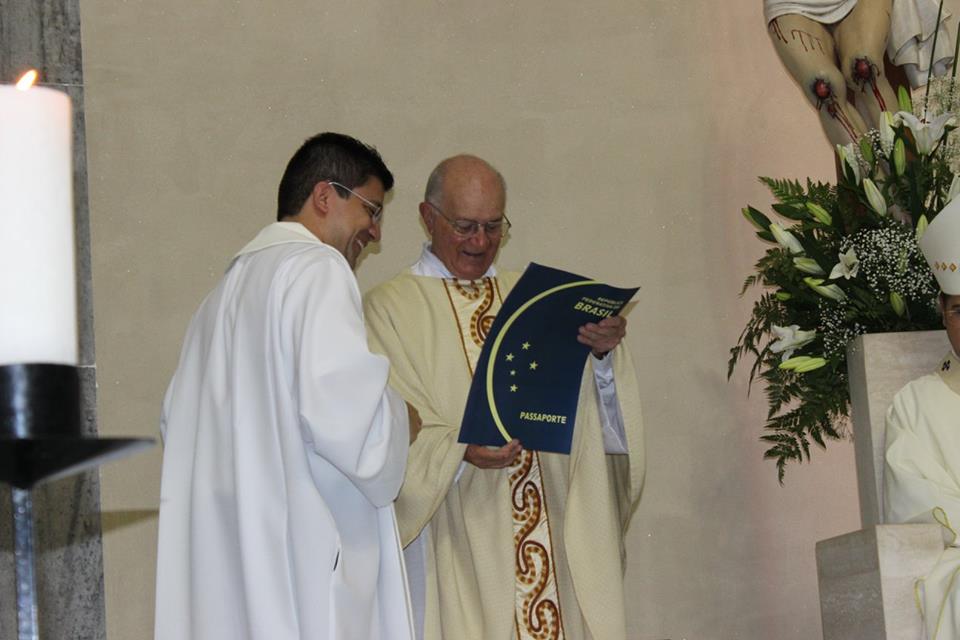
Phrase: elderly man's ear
(426, 213)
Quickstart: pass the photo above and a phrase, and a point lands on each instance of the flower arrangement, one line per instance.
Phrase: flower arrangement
(845, 262)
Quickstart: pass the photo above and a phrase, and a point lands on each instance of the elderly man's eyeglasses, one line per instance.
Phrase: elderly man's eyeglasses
(467, 228)
(374, 210)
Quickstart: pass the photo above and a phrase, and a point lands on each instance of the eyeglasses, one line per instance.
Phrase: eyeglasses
(467, 228)
(374, 210)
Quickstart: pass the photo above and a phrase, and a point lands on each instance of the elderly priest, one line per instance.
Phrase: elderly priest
(922, 475)
(504, 543)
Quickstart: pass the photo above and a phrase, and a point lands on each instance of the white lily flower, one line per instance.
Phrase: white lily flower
(887, 134)
(786, 239)
(925, 134)
(848, 266)
(954, 188)
(874, 197)
(789, 339)
(848, 159)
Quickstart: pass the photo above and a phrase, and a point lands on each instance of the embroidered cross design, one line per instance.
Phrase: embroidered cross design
(946, 366)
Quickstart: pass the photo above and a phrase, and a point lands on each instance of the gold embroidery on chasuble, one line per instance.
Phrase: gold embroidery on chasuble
(537, 603)
(475, 304)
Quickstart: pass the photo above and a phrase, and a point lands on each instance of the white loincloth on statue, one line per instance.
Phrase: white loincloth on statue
(822, 11)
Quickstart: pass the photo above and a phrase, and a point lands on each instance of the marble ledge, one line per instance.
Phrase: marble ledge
(866, 581)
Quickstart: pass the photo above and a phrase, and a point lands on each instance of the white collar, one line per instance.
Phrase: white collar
(279, 233)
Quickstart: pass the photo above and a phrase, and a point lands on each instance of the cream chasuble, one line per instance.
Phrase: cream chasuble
(497, 566)
(922, 483)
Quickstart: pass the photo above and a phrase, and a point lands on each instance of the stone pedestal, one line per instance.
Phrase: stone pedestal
(866, 581)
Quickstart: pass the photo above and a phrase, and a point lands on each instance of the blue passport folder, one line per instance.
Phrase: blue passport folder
(527, 381)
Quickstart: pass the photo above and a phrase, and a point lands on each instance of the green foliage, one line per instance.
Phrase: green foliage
(843, 263)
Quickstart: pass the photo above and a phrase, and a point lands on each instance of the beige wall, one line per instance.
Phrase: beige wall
(630, 134)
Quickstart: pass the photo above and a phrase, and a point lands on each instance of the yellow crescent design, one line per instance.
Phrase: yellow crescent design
(503, 332)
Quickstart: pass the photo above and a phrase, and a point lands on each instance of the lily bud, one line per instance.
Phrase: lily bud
(899, 306)
(794, 362)
(899, 157)
(810, 365)
(903, 99)
(783, 296)
(819, 213)
(808, 265)
(886, 131)
(921, 227)
(831, 291)
(786, 239)
(874, 197)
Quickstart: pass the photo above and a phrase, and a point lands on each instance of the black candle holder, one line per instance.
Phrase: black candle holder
(41, 439)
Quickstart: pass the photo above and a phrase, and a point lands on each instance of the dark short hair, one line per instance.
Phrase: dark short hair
(328, 156)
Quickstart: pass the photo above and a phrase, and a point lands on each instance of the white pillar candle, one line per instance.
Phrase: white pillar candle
(38, 291)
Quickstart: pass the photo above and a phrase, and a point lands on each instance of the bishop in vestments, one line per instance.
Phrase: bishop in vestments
(922, 471)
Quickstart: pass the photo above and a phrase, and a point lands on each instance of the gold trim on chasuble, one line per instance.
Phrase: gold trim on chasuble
(537, 605)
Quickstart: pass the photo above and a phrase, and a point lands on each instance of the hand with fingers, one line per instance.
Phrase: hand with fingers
(493, 458)
(604, 336)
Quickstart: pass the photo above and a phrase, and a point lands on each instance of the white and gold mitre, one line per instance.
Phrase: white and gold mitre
(940, 245)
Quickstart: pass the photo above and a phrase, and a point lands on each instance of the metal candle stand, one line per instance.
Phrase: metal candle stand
(41, 440)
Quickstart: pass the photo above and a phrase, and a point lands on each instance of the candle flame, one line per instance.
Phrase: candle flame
(26, 80)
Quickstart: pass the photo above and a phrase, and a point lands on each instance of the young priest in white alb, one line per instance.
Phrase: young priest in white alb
(284, 446)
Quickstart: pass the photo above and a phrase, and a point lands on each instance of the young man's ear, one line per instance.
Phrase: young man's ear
(320, 197)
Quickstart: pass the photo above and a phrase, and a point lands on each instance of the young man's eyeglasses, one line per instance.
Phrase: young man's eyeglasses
(467, 228)
(374, 210)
